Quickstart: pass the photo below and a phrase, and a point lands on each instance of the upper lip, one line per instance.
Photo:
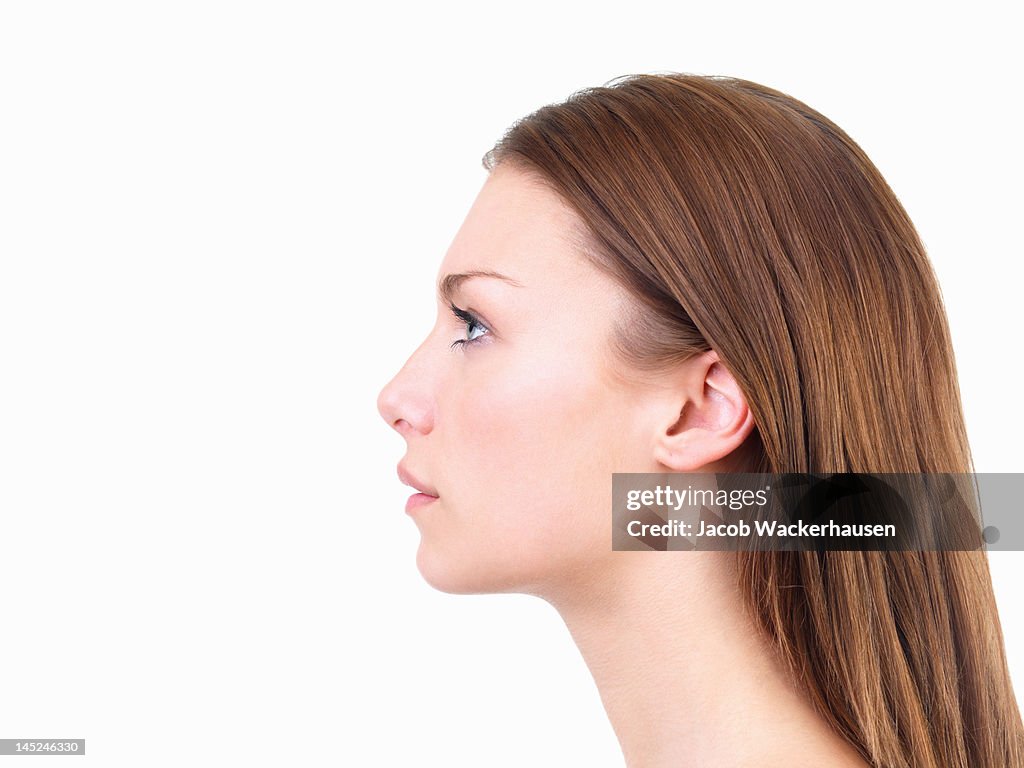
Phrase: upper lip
(408, 479)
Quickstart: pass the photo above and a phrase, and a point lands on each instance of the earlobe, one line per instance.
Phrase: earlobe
(713, 420)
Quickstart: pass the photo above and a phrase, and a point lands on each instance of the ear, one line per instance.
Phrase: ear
(710, 419)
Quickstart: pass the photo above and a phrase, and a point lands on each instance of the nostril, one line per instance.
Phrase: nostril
(388, 408)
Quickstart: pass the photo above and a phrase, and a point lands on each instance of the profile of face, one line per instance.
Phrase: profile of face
(515, 411)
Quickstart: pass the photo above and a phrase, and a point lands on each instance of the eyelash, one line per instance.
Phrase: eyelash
(470, 320)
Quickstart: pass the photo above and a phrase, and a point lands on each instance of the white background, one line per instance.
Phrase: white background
(219, 228)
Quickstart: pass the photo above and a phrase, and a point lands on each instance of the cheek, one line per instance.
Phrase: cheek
(527, 448)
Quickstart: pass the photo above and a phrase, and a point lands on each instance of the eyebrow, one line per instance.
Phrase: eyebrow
(450, 283)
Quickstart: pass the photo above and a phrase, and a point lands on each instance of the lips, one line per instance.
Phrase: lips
(409, 479)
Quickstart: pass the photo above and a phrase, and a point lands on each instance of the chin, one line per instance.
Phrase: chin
(467, 575)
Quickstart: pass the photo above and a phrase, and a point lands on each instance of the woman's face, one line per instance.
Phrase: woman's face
(513, 417)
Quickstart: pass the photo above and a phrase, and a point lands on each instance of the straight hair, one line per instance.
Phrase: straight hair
(741, 220)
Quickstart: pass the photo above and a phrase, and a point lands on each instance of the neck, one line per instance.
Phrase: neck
(683, 674)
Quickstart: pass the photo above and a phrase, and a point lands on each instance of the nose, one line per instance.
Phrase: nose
(405, 402)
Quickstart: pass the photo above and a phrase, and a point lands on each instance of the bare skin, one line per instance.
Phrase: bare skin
(517, 431)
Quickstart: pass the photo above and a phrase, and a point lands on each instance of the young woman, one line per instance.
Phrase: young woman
(675, 273)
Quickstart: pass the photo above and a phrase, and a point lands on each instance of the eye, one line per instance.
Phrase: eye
(474, 328)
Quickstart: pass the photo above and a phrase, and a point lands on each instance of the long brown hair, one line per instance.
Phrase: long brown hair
(742, 220)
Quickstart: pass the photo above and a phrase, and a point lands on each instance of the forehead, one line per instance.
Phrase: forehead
(521, 228)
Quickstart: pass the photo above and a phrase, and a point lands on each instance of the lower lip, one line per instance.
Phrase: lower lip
(418, 500)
